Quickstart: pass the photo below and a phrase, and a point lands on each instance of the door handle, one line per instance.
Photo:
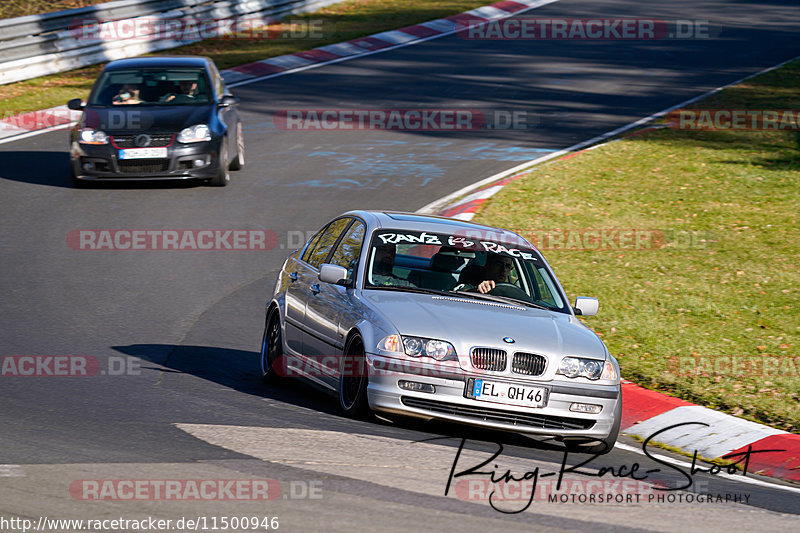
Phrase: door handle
(293, 276)
(315, 288)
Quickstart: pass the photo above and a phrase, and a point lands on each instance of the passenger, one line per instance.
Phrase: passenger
(383, 265)
(129, 94)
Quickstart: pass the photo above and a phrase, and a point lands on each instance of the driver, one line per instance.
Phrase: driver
(496, 271)
(187, 92)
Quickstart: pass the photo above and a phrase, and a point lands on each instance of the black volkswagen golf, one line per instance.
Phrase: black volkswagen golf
(157, 118)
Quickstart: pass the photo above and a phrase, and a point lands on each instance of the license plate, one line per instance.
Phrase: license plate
(509, 393)
(142, 153)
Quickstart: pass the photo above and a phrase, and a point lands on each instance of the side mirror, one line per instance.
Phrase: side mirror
(228, 100)
(76, 104)
(334, 274)
(586, 306)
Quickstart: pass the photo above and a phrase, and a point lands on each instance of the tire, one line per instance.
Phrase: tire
(353, 388)
(76, 183)
(238, 159)
(271, 348)
(605, 445)
(223, 176)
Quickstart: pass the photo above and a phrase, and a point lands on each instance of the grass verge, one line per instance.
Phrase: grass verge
(20, 8)
(709, 313)
(336, 23)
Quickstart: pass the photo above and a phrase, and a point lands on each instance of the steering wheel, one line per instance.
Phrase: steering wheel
(509, 290)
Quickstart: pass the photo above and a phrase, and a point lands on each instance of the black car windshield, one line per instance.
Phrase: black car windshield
(461, 264)
(162, 87)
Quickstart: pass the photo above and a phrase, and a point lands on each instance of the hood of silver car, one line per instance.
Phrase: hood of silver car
(467, 322)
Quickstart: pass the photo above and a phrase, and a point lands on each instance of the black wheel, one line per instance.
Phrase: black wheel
(603, 446)
(223, 174)
(353, 381)
(238, 159)
(76, 183)
(271, 348)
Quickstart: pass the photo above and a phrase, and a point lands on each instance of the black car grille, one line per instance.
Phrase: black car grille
(497, 415)
(143, 166)
(530, 364)
(489, 359)
(156, 140)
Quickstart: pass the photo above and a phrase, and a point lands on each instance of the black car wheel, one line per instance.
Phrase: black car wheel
(353, 381)
(76, 183)
(238, 159)
(223, 174)
(271, 348)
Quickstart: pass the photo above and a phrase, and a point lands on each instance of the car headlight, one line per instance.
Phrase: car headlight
(419, 347)
(193, 134)
(90, 136)
(573, 367)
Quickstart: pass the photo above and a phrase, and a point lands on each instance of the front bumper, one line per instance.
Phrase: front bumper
(449, 402)
(102, 163)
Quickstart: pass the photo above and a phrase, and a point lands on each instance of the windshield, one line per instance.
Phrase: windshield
(151, 87)
(462, 265)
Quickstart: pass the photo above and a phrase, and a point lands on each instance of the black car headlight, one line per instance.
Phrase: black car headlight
(194, 134)
(419, 347)
(90, 136)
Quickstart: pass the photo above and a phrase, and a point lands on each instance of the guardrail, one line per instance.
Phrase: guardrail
(38, 45)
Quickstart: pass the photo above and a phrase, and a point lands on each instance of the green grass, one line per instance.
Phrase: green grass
(339, 22)
(734, 294)
(21, 8)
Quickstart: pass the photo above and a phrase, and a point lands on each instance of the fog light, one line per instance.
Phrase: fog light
(88, 166)
(199, 162)
(585, 408)
(416, 387)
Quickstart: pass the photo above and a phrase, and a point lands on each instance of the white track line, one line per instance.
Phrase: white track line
(437, 205)
(37, 132)
(736, 477)
(330, 61)
(388, 49)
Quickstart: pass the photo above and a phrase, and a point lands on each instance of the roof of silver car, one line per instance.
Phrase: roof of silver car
(418, 222)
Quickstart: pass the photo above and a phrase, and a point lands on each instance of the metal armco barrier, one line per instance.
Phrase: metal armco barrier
(38, 45)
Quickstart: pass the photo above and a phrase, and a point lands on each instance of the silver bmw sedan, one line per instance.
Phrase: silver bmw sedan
(438, 318)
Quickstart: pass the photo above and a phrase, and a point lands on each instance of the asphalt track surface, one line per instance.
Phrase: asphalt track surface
(191, 321)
